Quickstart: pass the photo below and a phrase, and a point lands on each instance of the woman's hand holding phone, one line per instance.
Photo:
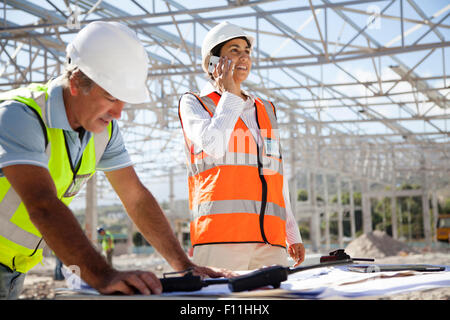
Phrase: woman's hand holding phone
(223, 75)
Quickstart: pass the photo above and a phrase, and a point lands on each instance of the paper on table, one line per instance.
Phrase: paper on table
(324, 283)
(338, 281)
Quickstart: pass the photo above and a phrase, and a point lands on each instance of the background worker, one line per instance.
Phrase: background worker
(238, 197)
(107, 244)
(52, 139)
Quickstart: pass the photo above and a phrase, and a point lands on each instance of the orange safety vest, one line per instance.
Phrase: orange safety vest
(238, 198)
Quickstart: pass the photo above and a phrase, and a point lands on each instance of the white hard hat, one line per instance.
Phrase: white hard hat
(111, 55)
(222, 32)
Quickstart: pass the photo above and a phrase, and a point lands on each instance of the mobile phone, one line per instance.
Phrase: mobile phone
(213, 61)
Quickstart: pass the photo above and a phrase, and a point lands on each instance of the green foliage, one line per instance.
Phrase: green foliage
(304, 231)
(302, 195)
(345, 198)
(409, 213)
(446, 207)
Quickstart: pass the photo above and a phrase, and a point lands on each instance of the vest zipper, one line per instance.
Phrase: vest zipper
(41, 122)
(264, 186)
(37, 247)
(74, 167)
(263, 199)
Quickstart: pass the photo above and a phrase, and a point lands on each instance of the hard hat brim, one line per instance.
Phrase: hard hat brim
(121, 70)
(207, 55)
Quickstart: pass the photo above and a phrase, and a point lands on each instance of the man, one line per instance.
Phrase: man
(52, 139)
(107, 244)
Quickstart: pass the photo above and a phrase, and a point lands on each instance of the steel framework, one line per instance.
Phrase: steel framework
(360, 86)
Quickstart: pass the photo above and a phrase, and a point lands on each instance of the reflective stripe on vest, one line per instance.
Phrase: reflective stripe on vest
(241, 206)
(20, 241)
(204, 164)
(252, 211)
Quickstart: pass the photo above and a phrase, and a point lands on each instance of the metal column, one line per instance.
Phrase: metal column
(91, 209)
(366, 211)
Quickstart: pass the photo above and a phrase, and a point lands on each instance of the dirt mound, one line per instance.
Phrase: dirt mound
(377, 244)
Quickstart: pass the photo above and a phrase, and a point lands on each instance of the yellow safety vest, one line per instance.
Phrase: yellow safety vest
(105, 241)
(20, 241)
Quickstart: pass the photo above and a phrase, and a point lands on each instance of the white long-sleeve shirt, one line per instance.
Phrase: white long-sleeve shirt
(202, 130)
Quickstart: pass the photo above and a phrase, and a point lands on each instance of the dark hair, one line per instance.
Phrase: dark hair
(216, 50)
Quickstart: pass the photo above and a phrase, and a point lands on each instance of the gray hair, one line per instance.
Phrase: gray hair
(84, 82)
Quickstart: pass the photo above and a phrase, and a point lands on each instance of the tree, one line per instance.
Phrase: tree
(302, 195)
(446, 207)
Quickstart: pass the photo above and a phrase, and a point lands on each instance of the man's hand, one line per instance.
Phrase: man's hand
(212, 272)
(63, 234)
(297, 252)
(146, 283)
(130, 282)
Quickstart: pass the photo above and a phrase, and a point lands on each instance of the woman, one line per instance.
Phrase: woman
(238, 197)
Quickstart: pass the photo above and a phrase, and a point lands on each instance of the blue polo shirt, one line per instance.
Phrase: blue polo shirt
(22, 139)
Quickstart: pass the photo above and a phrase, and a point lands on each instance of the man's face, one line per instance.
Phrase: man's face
(93, 110)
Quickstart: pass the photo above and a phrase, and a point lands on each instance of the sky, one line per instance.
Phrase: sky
(385, 31)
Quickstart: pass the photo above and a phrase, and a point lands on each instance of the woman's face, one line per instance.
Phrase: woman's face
(239, 52)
